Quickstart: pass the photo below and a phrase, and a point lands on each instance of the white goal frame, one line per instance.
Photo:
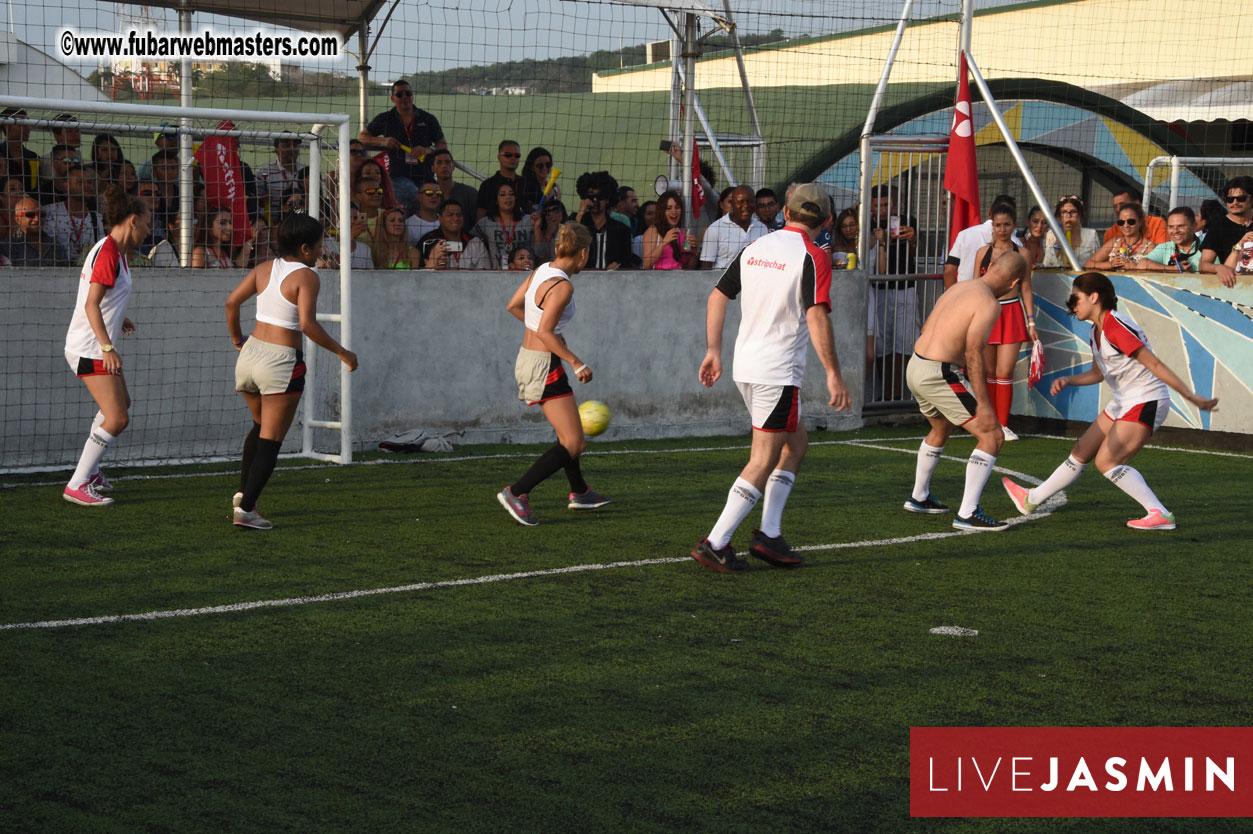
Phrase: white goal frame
(317, 123)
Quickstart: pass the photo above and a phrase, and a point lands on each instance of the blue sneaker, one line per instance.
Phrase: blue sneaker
(929, 506)
(979, 520)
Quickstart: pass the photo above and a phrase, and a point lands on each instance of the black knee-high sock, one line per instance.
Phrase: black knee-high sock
(555, 458)
(262, 467)
(250, 451)
(574, 474)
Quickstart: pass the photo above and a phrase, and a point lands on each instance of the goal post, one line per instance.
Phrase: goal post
(182, 410)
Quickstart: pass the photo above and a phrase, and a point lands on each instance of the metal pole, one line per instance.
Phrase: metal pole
(1174, 184)
(714, 145)
(1016, 153)
(364, 70)
(867, 171)
(689, 117)
(345, 300)
(967, 24)
(739, 60)
(314, 206)
(186, 200)
(676, 101)
(1148, 180)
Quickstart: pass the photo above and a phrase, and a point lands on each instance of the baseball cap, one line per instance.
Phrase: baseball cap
(164, 130)
(809, 198)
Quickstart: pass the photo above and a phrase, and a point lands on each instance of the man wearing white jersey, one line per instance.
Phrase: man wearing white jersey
(960, 263)
(786, 284)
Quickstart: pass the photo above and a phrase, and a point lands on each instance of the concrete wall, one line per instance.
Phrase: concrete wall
(437, 353)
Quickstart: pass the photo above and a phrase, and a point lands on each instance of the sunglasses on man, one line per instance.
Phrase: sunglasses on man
(1237, 198)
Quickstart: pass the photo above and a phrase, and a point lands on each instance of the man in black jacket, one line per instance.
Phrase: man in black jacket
(611, 240)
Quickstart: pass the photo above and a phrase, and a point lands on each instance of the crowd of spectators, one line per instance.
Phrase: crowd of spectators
(408, 211)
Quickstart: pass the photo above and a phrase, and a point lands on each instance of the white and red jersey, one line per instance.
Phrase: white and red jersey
(104, 265)
(781, 276)
(1112, 346)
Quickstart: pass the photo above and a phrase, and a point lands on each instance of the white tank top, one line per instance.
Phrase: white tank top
(532, 311)
(272, 307)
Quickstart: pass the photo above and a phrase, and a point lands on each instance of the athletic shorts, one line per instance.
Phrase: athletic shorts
(86, 367)
(940, 389)
(1011, 326)
(1152, 413)
(772, 407)
(266, 368)
(541, 376)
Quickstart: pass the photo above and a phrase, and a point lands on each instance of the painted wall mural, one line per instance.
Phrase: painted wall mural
(1202, 330)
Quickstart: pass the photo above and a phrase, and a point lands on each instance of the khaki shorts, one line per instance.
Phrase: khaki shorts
(266, 368)
(940, 389)
(540, 376)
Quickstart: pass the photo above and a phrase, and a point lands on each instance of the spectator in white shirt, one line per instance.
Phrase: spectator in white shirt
(727, 236)
(426, 218)
(70, 222)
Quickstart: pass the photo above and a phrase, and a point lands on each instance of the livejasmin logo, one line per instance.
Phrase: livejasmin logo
(1019, 773)
(1081, 771)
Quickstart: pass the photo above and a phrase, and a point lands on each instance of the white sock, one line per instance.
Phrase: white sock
(778, 487)
(1062, 477)
(97, 444)
(740, 502)
(95, 424)
(978, 469)
(1132, 482)
(928, 460)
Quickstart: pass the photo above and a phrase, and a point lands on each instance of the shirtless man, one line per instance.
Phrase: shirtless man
(954, 335)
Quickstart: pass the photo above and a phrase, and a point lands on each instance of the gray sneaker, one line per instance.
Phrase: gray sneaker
(518, 506)
(251, 520)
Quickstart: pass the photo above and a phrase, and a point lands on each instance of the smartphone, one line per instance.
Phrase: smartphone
(894, 226)
(453, 246)
(666, 145)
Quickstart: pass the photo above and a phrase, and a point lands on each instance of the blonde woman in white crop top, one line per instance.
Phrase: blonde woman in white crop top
(270, 371)
(544, 302)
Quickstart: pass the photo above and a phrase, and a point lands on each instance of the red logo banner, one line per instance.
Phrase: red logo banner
(1081, 771)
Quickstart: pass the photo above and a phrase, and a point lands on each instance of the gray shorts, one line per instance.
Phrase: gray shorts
(266, 368)
(540, 376)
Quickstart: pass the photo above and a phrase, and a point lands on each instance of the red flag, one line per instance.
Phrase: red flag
(698, 193)
(224, 181)
(961, 176)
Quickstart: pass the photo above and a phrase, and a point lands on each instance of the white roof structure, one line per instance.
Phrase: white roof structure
(27, 71)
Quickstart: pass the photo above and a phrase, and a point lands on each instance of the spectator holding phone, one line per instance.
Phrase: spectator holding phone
(666, 245)
(449, 247)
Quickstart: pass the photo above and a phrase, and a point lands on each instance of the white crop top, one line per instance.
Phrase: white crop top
(532, 310)
(272, 307)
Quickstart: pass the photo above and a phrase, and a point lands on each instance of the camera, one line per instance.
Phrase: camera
(666, 145)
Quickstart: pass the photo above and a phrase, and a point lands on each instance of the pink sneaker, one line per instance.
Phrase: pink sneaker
(86, 496)
(1155, 520)
(1018, 494)
(100, 482)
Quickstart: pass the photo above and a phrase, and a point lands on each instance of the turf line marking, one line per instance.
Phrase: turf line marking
(1047, 508)
(527, 455)
(428, 460)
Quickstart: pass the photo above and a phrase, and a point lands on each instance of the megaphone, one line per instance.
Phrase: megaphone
(664, 184)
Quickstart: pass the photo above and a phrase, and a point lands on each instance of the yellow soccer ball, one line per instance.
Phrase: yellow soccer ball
(595, 417)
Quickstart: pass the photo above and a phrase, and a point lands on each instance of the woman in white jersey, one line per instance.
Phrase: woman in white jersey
(270, 371)
(545, 304)
(104, 287)
(1140, 402)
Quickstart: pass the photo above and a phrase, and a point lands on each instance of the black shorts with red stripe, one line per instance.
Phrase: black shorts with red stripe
(90, 367)
(556, 384)
(298, 371)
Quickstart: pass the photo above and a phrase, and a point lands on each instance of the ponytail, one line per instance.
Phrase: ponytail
(571, 239)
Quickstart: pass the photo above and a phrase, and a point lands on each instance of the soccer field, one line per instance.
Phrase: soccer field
(585, 674)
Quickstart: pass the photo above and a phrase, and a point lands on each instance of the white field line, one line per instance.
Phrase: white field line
(528, 455)
(1047, 508)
